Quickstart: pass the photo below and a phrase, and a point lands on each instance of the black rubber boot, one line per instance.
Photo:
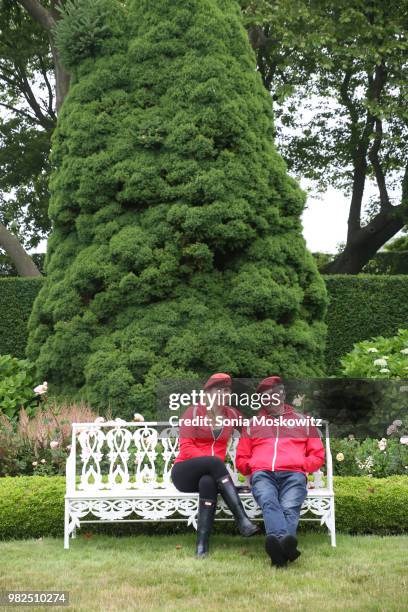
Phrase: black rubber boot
(205, 520)
(289, 547)
(275, 551)
(231, 498)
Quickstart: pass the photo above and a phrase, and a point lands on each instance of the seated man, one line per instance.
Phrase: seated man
(278, 457)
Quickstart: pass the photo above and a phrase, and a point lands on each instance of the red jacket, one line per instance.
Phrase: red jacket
(278, 447)
(199, 440)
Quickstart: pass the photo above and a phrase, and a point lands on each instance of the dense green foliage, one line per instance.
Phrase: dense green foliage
(177, 246)
(16, 386)
(378, 358)
(379, 306)
(16, 301)
(362, 307)
(33, 506)
(388, 262)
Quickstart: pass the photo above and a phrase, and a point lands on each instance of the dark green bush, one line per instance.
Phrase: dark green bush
(33, 506)
(16, 301)
(362, 307)
(177, 245)
(388, 262)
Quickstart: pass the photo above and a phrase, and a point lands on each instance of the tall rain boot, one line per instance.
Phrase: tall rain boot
(232, 499)
(206, 512)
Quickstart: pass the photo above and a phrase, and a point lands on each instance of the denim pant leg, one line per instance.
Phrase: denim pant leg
(293, 492)
(266, 493)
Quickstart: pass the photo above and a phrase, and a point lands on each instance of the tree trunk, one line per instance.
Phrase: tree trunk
(363, 243)
(47, 18)
(20, 258)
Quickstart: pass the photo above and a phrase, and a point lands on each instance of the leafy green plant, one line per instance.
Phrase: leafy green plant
(378, 358)
(369, 457)
(16, 386)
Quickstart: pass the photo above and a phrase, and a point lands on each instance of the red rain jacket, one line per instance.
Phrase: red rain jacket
(199, 440)
(279, 447)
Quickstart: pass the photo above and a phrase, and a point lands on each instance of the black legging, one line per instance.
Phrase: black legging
(199, 475)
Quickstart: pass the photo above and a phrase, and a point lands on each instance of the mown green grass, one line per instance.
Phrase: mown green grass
(161, 573)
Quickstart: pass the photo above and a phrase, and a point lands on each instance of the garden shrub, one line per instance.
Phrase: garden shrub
(33, 506)
(362, 306)
(16, 386)
(177, 245)
(40, 445)
(16, 301)
(378, 358)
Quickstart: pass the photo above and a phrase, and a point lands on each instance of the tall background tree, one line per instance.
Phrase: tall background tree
(346, 65)
(177, 246)
(27, 118)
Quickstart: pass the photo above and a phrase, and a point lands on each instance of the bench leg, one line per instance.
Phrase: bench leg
(66, 522)
(332, 527)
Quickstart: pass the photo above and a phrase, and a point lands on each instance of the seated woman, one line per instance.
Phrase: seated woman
(199, 466)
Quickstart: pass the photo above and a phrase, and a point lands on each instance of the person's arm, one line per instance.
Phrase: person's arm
(244, 454)
(314, 452)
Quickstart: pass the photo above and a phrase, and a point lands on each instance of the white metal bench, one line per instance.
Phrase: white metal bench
(119, 471)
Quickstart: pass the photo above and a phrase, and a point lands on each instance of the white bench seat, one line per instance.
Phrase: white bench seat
(120, 472)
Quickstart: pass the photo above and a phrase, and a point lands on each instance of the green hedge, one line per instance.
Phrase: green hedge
(361, 307)
(33, 506)
(16, 300)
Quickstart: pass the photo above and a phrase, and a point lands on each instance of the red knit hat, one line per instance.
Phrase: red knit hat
(268, 383)
(218, 379)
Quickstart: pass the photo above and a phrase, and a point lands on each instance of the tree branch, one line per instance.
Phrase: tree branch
(49, 88)
(39, 13)
(376, 164)
(20, 258)
(18, 111)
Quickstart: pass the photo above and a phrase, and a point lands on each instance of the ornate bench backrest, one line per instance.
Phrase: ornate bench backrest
(126, 456)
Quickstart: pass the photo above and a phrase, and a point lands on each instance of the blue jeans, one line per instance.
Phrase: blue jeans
(280, 496)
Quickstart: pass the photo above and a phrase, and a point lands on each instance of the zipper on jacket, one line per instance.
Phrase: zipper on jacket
(276, 449)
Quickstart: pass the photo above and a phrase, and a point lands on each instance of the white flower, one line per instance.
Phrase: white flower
(382, 444)
(384, 370)
(340, 457)
(298, 400)
(35, 463)
(42, 460)
(68, 447)
(372, 350)
(138, 417)
(404, 351)
(380, 362)
(404, 440)
(41, 389)
(120, 421)
(54, 444)
(99, 419)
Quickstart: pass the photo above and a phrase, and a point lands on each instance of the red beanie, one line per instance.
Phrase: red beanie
(268, 383)
(218, 379)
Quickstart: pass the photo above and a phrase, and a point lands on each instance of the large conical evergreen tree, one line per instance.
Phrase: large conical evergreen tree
(177, 247)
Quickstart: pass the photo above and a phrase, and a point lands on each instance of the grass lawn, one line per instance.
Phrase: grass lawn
(161, 573)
